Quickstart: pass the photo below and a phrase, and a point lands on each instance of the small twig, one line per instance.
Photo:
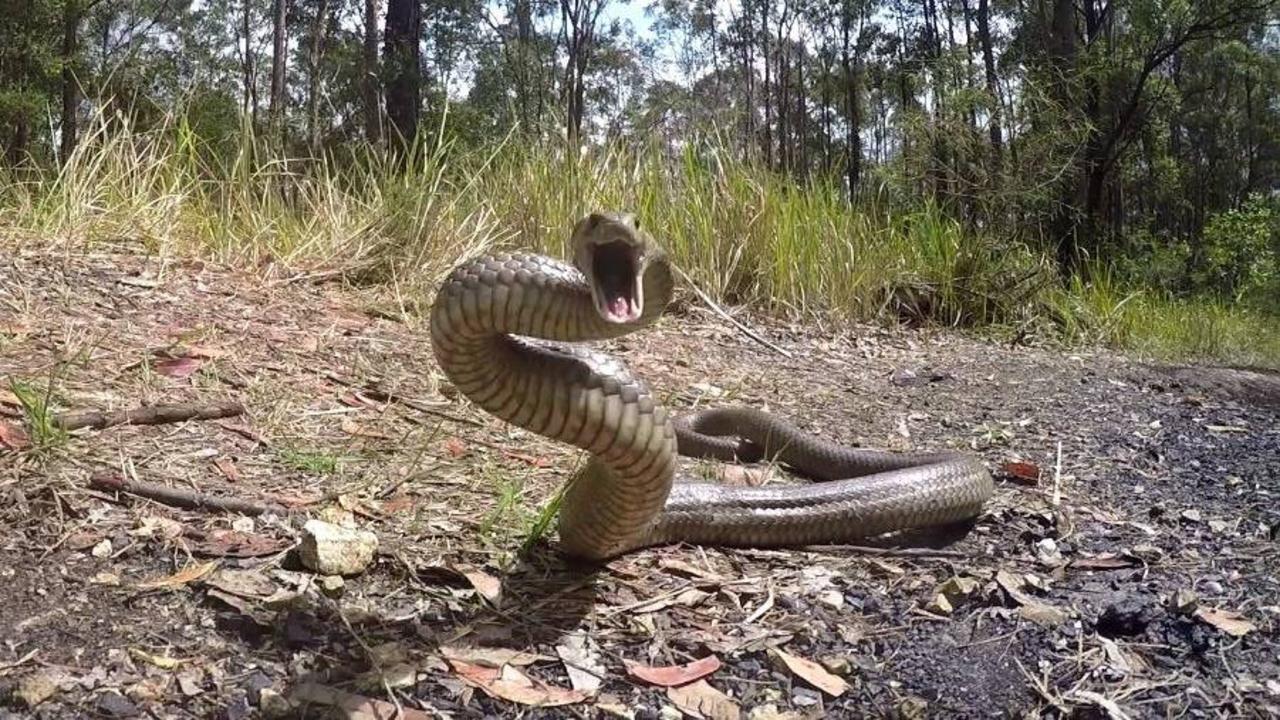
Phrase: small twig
(887, 552)
(1057, 478)
(178, 497)
(721, 312)
(149, 415)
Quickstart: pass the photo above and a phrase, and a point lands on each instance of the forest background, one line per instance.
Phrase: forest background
(1079, 171)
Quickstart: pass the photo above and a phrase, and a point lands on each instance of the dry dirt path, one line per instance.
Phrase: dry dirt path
(1134, 575)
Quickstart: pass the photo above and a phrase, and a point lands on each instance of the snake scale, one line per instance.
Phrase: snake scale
(501, 329)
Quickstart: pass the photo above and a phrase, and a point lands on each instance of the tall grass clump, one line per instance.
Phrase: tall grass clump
(744, 234)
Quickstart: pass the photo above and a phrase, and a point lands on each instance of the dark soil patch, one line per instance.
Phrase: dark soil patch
(1109, 584)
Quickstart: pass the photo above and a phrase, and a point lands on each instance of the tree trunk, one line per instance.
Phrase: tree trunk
(71, 12)
(247, 63)
(279, 52)
(853, 111)
(993, 88)
(318, 31)
(369, 81)
(401, 56)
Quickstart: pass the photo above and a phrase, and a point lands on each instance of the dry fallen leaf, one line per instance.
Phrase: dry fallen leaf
(487, 585)
(228, 468)
(582, 663)
(179, 367)
(1025, 473)
(13, 437)
(510, 684)
(355, 429)
(812, 673)
(701, 700)
(1232, 623)
(231, 543)
(742, 476)
(455, 447)
(161, 661)
(490, 657)
(188, 574)
(674, 675)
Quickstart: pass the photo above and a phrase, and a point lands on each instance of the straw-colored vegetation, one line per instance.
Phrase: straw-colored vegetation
(746, 235)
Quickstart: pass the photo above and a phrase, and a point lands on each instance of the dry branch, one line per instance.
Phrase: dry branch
(178, 497)
(149, 415)
(727, 317)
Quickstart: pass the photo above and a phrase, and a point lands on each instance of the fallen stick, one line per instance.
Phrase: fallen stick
(148, 415)
(721, 312)
(177, 497)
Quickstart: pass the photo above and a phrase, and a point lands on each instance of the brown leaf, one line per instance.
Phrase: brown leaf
(397, 503)
(743, 476)
(813, 673)
(232, 543)
(490, 657)
(355, 429)
(487, 585)
(178, 367)
(1229, 622)
(674, 675)
(228, 468)
(534, 460)
(1026, 473)
(1106, 561)
(189, 574)
(13, 437)
(455, 447)
(701, 700)
(510, 684)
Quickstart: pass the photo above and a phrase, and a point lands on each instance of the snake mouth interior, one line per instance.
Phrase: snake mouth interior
(615, 270)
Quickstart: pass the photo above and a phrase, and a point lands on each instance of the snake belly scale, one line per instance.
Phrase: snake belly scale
(501, 328)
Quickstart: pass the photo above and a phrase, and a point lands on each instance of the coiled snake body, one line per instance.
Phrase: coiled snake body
(497, 328)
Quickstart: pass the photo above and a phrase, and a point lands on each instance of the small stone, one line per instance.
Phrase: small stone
(1043, 614)
(1047, 553)
(1184, 601)
(832, 598)
(273, 704)
(332, 550)
(804, 697)
(1191, 515)
(255, 684)
(332, 585)
(836, 664)
(102, 549)
(1126, 617)
(37, 687)
(114, 704)
(940, 604)
(1213, 587)
(1147, 553)
(1219, 526)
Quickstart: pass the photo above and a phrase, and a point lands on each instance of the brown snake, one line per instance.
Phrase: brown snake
(497, 325)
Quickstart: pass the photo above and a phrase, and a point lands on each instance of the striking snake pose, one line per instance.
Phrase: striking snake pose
(485, 328)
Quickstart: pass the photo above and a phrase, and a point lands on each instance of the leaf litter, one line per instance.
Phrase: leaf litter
(1067, 594)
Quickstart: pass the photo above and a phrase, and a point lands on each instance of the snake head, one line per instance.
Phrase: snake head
(611, 251)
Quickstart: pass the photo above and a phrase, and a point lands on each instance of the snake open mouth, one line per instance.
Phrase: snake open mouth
(616, 282)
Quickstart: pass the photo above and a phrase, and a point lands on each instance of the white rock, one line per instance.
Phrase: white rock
(332, 550)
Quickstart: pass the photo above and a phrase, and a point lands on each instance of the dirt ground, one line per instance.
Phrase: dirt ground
(1126, 567)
